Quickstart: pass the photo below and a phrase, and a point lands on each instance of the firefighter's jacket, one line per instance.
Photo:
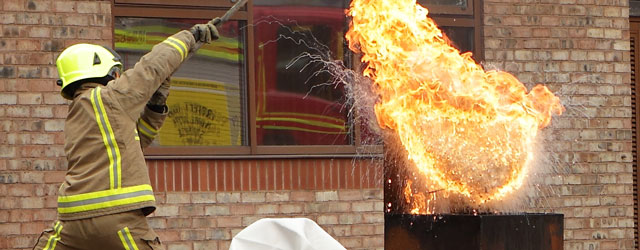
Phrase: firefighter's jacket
(105, 131)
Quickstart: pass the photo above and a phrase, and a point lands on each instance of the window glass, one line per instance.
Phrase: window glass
(295, 102)
(207, 104)
(454, 3)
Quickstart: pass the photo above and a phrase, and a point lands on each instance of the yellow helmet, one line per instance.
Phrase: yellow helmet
(85, 61)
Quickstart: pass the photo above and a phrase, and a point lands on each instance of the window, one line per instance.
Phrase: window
(461, 20)
(295, 105)
(258, 90)
(207, 104)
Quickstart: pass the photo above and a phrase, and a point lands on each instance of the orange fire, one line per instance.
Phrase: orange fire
(470, 132)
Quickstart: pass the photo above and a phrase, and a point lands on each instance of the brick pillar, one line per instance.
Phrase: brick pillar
(580, 49)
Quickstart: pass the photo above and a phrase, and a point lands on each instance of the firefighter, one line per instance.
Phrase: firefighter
(106, 195)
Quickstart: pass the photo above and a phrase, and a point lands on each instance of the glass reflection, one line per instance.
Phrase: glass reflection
(207, 104)
(294, 103)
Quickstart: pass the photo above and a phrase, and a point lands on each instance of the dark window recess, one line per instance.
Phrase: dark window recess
(460, 37)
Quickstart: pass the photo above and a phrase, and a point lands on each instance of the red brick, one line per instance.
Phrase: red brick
(251, 173)
(170, 175)
(296, 174)
(224, 244)
(205, 245)
(287, 175)
(185, 167)
(8, 18)
(269, 175)
(107, 34)
(220, 176)
(88, 33)
(291, 208)
(4, 215)
(350, 242)
(38, 5)
(14, 5)
(44, 85)
(39, 32)
(203, 175)
(51, 19)
(33, 227)
(279, 175)
(32, 202)
(64, 6)
(105, 8)
(169, 235)
(192, 178)
(88, 7)
(76, 20)
(41, 58)
(23, 190)
(9, 228)
(229, 222)
(233, 176)
(363, 230)
(302, 196)
(27, 18)
(242, 209)
(152, 173)
(30, 98)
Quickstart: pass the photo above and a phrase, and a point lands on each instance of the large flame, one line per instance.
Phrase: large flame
(469, 131)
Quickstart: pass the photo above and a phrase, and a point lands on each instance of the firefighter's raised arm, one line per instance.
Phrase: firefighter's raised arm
(136, 86)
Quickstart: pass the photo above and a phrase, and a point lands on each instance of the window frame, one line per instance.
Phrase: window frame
(206, 9)
(472, 17)
(451, 10)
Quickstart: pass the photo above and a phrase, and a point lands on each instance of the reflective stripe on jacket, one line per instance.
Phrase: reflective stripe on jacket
(105, 131)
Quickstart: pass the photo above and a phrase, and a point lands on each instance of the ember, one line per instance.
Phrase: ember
(469, 132)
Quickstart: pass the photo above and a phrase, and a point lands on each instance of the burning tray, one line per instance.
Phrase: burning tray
(474, 232)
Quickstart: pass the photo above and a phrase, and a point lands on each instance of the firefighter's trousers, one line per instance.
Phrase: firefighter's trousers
(128, 230)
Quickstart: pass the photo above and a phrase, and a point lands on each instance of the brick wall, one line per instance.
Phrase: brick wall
(32, 34)
(580, 48)
(577, 47)
(201, 204)
(207, 202)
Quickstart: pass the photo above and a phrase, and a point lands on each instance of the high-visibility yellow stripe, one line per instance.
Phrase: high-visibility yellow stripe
(182, 45)
(136, 137)
(147, 126)
(135, 247)
(105, 199)
(53, 239)
(103, 193)
(127, 239)
(146, 129)
(178, 45)
(108, 137)
(124, 242)
(147, 133)
(106, 204)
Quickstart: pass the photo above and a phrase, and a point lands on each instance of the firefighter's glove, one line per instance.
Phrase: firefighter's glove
(205, 33)
(159, 98)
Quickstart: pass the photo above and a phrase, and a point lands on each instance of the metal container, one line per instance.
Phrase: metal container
(464, 231)
(473, 232)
